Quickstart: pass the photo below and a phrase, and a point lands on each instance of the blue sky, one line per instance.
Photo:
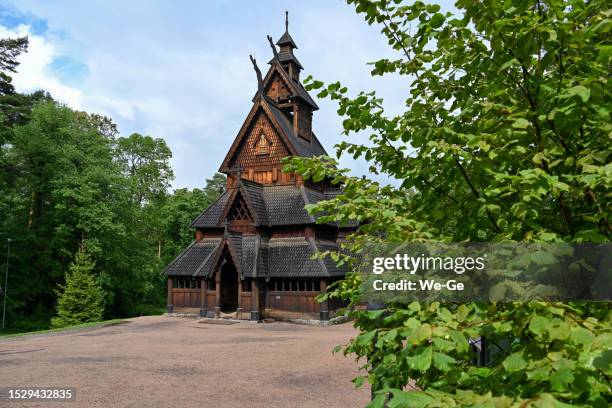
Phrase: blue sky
(180, 70)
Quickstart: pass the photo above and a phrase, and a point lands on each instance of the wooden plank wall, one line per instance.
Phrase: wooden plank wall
(304, 302)
(186, 297)
(246, 301)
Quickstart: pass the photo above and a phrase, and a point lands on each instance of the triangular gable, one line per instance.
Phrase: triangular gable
(260, 106)
(295, 88)
(276, 86)
(240, 197)
(239, 211)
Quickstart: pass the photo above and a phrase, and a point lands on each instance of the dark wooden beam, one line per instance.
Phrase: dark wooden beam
(218, 294)
(324, 312)
(203, 305)
(255, 313)
(169, 305)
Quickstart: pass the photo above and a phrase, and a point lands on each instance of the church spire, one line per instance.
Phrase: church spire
(285, 55)
(286, 43)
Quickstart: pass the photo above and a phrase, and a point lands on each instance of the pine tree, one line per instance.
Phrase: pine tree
(81, 300)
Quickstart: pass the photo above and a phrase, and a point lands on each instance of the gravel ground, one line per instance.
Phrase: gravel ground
(162, 361)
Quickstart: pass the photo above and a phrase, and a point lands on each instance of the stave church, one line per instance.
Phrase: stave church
(253, 256)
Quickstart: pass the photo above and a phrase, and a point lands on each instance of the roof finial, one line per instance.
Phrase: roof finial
(260, 89)
(273, 49)
(286, 21)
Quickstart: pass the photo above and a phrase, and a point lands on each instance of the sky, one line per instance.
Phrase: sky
(181, 71)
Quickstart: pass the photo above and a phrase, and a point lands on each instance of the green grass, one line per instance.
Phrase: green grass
(10, 333)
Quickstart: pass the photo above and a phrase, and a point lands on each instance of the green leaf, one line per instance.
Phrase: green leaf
(436, 20)
(358, 381)
(378, 401)
(423, 332)
(366, 338)
(561, 379)
(520, 123)
(443, 362)
(414, 399)
(581, 91)
(514, 362)
(420, 361)
(539, 325)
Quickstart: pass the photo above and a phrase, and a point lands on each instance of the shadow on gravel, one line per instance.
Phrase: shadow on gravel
(243, 340)
(3, 353)
(282, 327)
(301, 381)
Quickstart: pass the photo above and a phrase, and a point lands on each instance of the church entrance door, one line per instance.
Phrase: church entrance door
(229, 288)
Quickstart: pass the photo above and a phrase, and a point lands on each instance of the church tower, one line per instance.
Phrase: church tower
(278, 125)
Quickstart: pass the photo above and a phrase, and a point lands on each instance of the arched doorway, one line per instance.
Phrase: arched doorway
(229, 287)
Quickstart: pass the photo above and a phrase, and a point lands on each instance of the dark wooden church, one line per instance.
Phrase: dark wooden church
(253, 251)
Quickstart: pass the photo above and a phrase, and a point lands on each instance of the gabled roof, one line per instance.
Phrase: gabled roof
(296, 88)
(243, 249)
(272, 205)
(258, 256)
(198, 258)
(283, 127)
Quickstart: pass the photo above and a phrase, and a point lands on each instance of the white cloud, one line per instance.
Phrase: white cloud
(33, 74)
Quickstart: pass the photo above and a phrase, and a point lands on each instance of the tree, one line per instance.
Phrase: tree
(10, 49)
(81, 299)
(65, 177)
(505, 137)
(146, 161)
(215, 186)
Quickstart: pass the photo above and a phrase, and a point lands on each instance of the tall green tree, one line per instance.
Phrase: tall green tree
(146, 162)
(10, 49)
(81, 299)
(505, 137)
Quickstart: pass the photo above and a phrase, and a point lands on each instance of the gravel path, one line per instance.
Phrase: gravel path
(161, 362)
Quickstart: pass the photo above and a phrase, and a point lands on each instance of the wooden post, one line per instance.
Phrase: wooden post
(203, 306)
(239, 308)
(324, 311)
(169, 305)
(218, 293)
(255, 315)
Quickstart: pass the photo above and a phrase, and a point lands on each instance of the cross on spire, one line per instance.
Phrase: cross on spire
(286, 21)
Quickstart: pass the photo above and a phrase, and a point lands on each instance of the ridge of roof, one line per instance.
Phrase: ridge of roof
(314, 247)
(213, 254)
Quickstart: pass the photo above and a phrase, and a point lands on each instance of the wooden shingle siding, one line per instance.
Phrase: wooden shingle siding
(247, 156)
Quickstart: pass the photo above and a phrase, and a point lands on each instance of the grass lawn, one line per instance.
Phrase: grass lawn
(10, 333)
